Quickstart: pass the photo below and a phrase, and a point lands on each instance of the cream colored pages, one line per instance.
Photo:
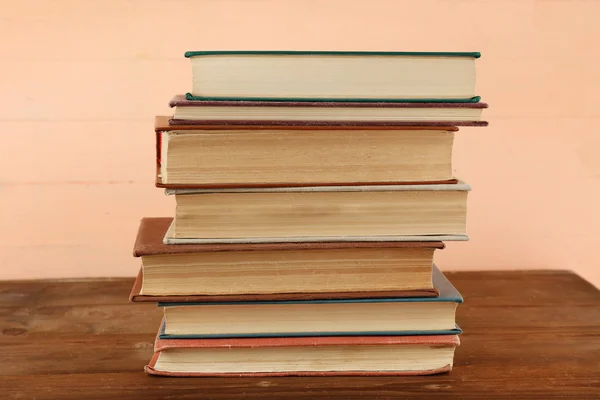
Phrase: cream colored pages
(333, 76)
(460, 186)
(357, 213)
(309, 157)
(306, 358)
(169, 239)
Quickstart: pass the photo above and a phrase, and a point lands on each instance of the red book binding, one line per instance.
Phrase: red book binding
(163, 124)
(149, 241)
(431, 340)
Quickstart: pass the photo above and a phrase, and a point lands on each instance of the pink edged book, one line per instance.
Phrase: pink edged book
(304, 356)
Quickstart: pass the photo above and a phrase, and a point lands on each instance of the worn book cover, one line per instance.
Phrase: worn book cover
(355, 346)
(149, 241)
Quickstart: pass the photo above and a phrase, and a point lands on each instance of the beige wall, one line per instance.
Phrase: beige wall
(82, 80)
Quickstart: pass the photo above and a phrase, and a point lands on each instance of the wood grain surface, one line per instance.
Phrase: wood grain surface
(528, 334)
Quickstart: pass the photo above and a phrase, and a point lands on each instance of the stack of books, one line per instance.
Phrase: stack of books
(312, 190)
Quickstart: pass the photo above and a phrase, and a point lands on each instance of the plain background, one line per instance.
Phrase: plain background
(82, 81)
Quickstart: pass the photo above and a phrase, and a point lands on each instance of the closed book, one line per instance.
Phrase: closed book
(254, 157)
(333, 76)
(320, 214)
(328, 317)
(278, 271)
(324, 113)
(304, 356)
(227, 156)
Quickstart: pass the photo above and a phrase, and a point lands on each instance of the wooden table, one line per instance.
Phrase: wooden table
(526, 335)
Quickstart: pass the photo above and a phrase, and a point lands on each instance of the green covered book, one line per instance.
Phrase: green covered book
(333, 76)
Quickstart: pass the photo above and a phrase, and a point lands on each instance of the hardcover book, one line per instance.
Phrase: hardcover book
(304, 356)
(333, 76)
(278, 271)
(283, 157)
(345, 317)
(320, 214)
(182, 161)
(322, 113)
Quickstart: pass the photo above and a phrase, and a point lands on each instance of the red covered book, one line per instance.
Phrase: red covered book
(248, 155)
(304, 356)
(278, 271)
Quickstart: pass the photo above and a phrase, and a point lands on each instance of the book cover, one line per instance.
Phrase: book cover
(180, 100)
(152, 230)
(149, 241)
(456, 331)
(469, 54)
(448, 341)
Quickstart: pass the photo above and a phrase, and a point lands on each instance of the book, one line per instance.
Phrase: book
(278, 271)
(320, 113)
(269, 158)
(333, 76)
(320, 214)
(304, 356)
(162, 127)
(328, 317)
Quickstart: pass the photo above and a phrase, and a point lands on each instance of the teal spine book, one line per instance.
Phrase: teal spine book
(342, 311)
(334, 76)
